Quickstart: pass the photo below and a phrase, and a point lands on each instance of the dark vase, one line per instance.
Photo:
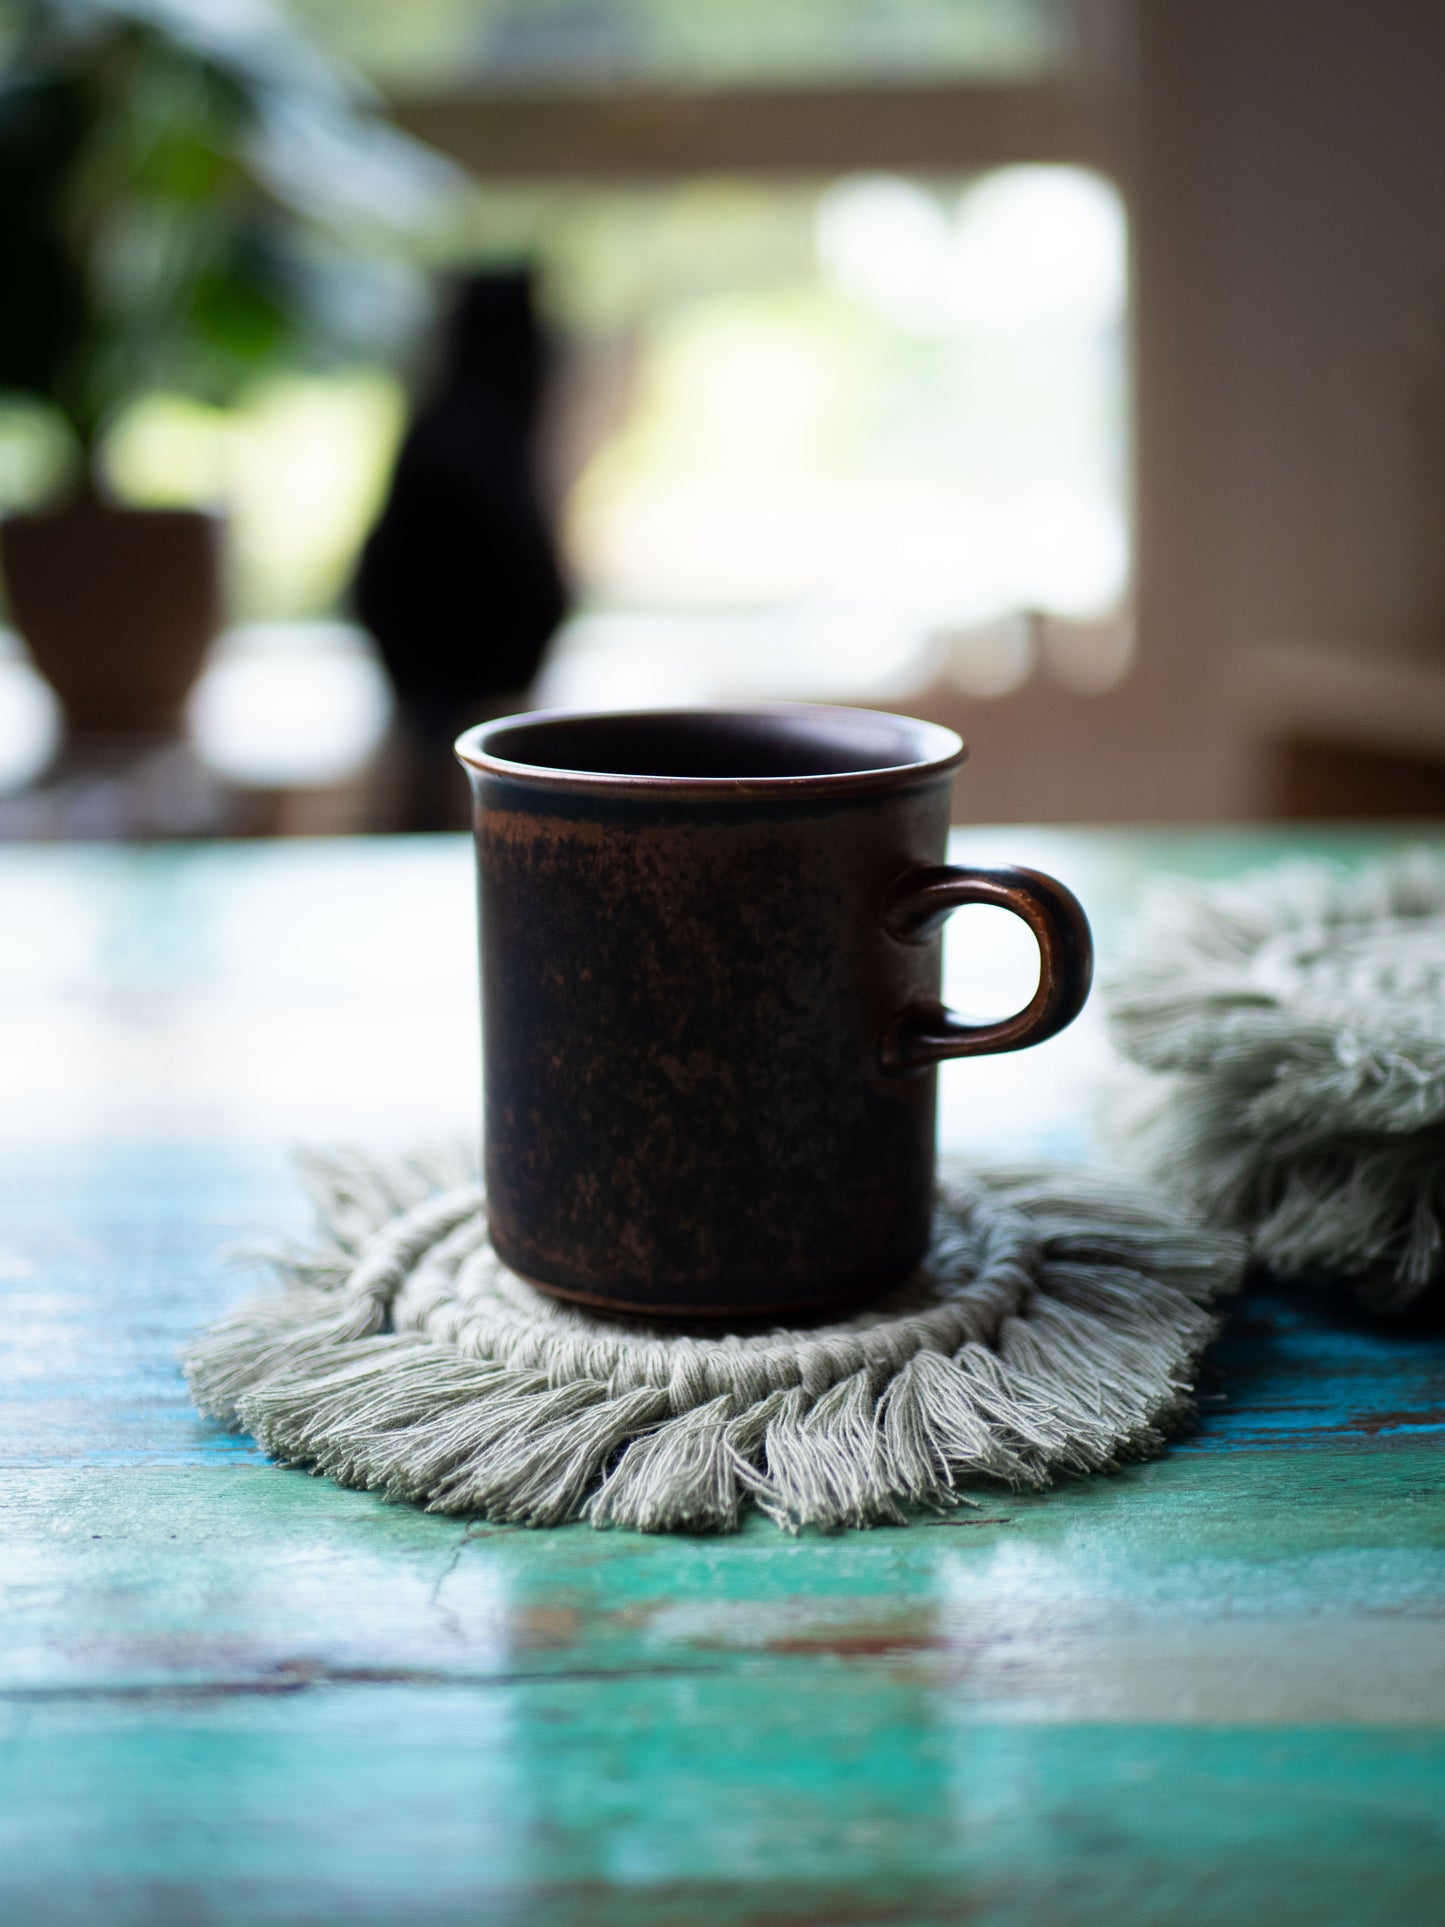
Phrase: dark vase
(460, 580)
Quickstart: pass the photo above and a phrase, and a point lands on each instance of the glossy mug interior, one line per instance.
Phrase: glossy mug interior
(711, 966)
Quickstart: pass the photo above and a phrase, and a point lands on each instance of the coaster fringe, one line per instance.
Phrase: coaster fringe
(1054, 1330)
(677, 1477)
(1286, 1032)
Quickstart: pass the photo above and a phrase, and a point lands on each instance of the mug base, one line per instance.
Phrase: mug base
(749, 1308)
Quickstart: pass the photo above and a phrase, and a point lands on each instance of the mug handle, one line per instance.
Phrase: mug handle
(914, 910)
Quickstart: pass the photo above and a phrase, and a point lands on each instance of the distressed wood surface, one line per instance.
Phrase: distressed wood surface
(1210, 1689)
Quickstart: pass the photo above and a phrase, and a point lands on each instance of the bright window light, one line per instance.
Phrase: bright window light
(900, 393)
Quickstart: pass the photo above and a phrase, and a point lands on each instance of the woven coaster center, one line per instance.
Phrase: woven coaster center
(461, 1293)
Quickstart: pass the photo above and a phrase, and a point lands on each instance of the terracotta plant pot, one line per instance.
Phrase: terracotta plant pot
(117, 607)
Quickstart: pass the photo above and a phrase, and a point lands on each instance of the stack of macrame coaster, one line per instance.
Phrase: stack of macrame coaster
(1292, 1025)
(1055, 1328)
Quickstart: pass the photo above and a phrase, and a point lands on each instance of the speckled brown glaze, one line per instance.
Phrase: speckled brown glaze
(710, 982)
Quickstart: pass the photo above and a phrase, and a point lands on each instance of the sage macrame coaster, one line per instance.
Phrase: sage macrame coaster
(1293, 1026)
(1055, 1328)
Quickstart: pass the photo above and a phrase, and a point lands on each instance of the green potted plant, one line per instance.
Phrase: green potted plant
(190, 197)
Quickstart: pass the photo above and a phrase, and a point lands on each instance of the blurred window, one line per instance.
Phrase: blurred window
(896, 406)
(883, 412)
(578, 43)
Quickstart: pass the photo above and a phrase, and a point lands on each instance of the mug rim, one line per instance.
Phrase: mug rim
(941, 750)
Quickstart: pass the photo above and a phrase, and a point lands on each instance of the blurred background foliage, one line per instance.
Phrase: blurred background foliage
(191, 199)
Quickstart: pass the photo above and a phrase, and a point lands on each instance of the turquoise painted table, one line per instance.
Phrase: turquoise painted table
(1207, 1690)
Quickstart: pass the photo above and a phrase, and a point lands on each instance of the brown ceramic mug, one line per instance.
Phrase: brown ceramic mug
(711, 964)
